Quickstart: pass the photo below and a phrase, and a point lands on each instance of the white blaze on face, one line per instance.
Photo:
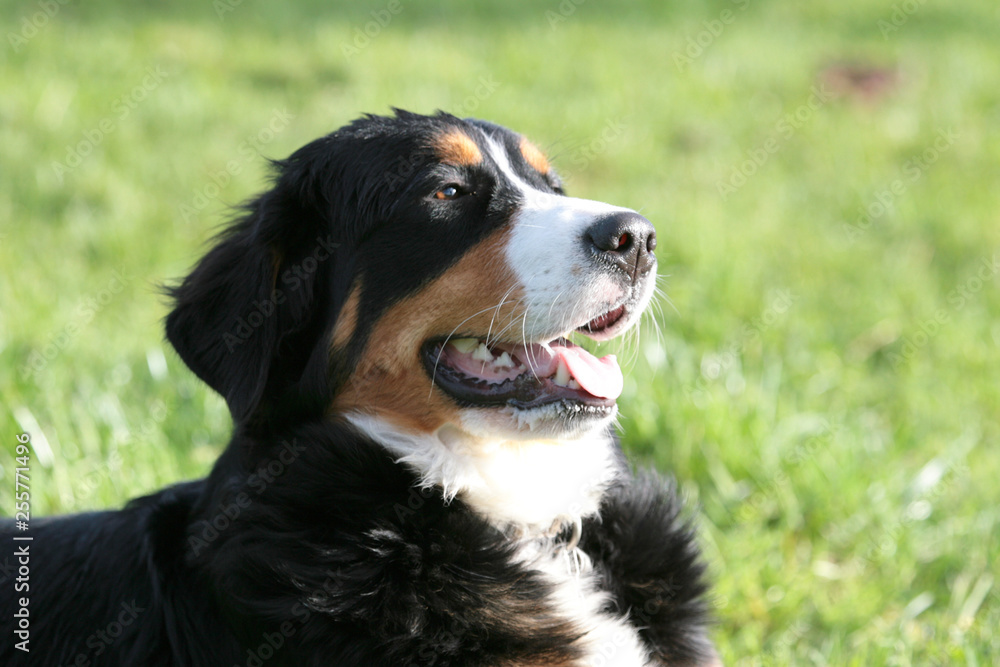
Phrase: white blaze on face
(548, 251)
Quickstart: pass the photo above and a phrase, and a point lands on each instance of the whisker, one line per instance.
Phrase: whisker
(553, 304)
(524, 341)
(663, 297)
(496, 312)
(513, 322)
(653, 316)
(447, 338)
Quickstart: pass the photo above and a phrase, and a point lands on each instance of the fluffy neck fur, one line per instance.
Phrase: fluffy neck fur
(531, 486)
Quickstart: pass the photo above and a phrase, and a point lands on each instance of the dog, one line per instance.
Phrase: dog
(423, 468)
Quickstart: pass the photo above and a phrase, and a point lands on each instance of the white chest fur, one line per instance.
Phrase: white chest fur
(608, 639)
(528, 487)
(525, 484)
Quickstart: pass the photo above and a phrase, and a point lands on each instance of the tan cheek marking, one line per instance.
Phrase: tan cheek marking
(534, 157)
(347, 319)
(389, 380)
(457, 148)
(276, 258)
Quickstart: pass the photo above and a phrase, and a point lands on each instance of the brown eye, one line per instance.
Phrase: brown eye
(448, 192)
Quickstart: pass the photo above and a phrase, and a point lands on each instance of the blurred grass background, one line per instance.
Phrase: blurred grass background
(824, 177)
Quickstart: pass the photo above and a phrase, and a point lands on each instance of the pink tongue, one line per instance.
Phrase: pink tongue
(599, 377)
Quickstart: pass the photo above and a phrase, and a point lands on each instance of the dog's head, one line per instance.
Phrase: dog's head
(425, 270)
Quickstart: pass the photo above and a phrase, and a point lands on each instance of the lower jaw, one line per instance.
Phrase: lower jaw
(558, 420)
(569, 410)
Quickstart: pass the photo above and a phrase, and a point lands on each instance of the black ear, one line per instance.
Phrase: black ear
(249, 319)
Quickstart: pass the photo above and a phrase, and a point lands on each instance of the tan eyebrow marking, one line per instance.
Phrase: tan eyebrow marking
(534, 157)
(456, 147)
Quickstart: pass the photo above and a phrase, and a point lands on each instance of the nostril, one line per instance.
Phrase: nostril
(624, 240)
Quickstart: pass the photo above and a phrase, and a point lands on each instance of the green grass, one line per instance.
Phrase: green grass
(825, 391)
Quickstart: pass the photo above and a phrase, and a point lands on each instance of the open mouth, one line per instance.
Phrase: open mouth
(529, 375)
(603, 324)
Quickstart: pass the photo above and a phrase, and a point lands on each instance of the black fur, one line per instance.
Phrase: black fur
(307, 544)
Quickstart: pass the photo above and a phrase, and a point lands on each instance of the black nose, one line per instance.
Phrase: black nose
(625, 240)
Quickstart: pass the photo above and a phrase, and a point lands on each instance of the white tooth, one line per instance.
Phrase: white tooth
(503, 361)
(465, 345)
(573, 384)
(482, 353)
(562, 377)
